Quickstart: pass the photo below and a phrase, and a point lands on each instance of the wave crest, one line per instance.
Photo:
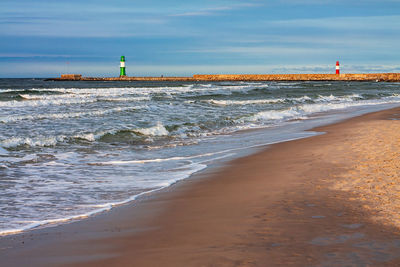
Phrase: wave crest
(125, 135)
(94, 113)
(157, 130)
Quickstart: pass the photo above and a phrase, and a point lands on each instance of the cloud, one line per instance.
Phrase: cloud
(365, 23)
(61, 19)
(24, 19)
(126, 26)
(105, 20)
(32, 55)
(354, 41)
(202, 12)
(259, 50)
(330, 2)
(212, 11)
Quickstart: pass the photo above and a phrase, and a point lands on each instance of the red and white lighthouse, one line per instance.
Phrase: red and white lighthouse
(337, 67)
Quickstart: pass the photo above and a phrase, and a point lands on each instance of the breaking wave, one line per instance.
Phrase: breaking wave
(7, 119)
(36, 141)
(158, 130)
(303, 111)
(302, 99)
(43, 102)
(113, 135)
(243, 102)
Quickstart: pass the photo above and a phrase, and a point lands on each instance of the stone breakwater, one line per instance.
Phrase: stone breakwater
(386, 77)
(301, 77)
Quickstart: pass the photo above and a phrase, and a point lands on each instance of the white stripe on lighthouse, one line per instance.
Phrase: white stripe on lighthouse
(122, 64)
(337, 67)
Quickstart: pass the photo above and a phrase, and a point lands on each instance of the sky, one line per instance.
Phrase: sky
(45, 38)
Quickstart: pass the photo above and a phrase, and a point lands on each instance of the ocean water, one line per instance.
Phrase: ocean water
(72, 149)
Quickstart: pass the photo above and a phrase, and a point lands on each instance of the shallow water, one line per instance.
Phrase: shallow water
(71, 149)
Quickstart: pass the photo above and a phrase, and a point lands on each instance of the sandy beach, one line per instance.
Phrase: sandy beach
(328, 200)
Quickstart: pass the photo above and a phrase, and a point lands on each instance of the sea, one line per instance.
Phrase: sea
(71, 149)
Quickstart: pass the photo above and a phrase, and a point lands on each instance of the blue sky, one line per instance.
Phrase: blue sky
(45, 38)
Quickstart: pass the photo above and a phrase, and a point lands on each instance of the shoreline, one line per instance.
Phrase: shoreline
(145, 194)
(201, 209)
(378, 77)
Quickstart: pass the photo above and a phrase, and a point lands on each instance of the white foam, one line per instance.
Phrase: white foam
(120, 91)
(125, 162)
(322, 107)
(107, 206)
(88, 137)
(303, 111)
(105, 96)
(275, 115)
(302, 99)
(35, 103)
(158, 130)
(44, 141)
(116, 91)
(36, 224)
(94, 136)
(329, 98)
(38, 141)
(243, 102)
(332, 98)
(70, 96)
(8, 119)
(126, 99)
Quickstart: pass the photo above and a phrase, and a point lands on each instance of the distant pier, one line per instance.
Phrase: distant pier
(380, 77)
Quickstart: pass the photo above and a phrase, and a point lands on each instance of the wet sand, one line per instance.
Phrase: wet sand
(328, 200)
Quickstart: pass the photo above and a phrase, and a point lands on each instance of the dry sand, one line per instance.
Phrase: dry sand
(374, 175)
(328, 200)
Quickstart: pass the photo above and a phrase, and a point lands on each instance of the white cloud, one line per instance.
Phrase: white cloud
(354, 42)
(211, 11)
(258, 50)
(345, 23)
(33, 55)
(110, 27)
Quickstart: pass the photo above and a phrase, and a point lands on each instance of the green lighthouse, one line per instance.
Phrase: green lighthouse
(122, 72)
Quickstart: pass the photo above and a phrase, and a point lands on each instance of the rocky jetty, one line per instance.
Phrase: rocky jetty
(380, 77)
